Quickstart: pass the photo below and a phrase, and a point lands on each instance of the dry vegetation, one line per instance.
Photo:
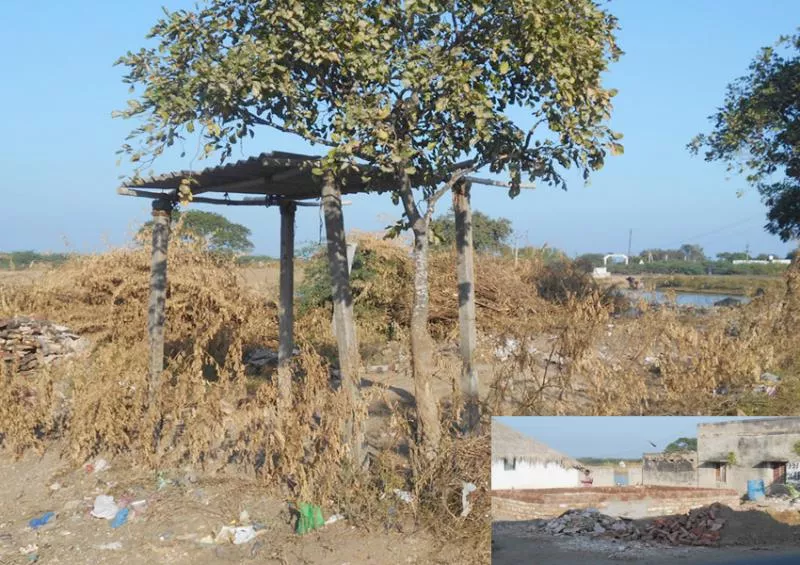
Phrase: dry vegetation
(552, 342)
(211, 412)
(604, 360)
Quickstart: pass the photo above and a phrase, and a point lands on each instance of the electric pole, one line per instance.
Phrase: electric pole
(630, 236)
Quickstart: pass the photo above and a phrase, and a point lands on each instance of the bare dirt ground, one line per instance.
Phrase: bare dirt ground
(174, 521)
(517, 542)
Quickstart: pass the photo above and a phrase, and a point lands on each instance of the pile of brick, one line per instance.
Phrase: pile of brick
(591, 522)
(701, 526)
(27, 344)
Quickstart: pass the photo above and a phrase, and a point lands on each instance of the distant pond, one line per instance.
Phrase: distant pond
(697, 299)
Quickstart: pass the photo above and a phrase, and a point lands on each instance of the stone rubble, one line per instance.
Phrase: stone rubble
(591, 522)
(700, 526)
(27, 344)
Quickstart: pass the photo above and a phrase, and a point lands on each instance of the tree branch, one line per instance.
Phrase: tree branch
(490, 182)
(433, 199)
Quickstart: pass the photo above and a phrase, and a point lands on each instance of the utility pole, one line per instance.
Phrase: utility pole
(630, 236)
(517, 238)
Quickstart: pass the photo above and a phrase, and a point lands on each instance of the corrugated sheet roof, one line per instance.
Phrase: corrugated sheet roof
(508, 443)
(275, 173)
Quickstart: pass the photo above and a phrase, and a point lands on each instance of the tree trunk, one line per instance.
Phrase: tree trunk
(429, 428)
(344, 324)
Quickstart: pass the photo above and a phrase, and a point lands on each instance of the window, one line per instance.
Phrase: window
(720, 472)
(509, 465)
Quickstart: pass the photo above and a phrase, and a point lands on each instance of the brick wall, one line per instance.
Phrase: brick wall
(632, 502)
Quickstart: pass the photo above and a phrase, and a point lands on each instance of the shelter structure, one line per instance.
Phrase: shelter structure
(289, 181)
(521, 462)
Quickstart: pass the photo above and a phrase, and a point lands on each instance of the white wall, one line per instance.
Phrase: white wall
(530, 476)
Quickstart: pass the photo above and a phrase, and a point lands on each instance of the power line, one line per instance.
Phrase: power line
(719, 229)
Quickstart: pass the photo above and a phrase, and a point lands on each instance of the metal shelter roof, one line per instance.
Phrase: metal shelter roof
(276, 174)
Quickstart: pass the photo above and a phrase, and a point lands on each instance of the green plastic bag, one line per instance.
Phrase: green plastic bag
(310, 518)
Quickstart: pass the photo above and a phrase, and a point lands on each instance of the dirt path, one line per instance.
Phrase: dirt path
(176, 518)
(514, 543)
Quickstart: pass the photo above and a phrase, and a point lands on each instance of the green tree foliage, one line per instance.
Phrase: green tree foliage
(682, 444)
(659, 254)
(692, 252)
(24, 259)
(696, 268)
(420, 90)
(489, 235)
(733, 256)
(219, 233)
(757, 131)
(686, 252)
(588, 261)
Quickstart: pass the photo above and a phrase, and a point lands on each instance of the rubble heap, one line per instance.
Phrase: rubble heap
(592, 522)
(700, 526)
(27, 343)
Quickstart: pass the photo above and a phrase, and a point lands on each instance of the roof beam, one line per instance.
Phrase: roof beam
(263, 201)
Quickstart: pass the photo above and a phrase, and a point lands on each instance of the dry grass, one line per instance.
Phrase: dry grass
(210, 412)
(661, 361)
(573, 354)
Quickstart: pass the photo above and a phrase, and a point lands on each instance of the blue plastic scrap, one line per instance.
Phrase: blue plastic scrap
(37, 523)
(120, 518)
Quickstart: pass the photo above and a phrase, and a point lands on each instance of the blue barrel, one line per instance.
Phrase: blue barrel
(755, 489)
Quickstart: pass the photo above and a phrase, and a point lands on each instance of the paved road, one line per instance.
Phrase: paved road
(513, 548)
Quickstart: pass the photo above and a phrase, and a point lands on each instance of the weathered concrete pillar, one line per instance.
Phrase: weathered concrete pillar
(466, 304)
(344, 324)
(286, 302)
(156, 311)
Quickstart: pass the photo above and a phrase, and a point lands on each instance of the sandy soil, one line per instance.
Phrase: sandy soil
(514, 543)
(174, 521)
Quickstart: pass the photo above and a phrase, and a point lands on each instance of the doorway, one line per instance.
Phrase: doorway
(778, 472)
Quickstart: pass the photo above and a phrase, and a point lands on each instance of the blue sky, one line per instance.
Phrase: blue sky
(59, 176)
(608, 436)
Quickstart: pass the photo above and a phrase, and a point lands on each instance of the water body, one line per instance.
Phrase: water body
(698, 300)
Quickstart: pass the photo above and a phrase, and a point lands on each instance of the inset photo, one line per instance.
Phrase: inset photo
(655, 490)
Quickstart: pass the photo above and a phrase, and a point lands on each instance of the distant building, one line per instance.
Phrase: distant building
(731, 453)
(772, 260)
(521, 462)
(670, 469)
(613, 475)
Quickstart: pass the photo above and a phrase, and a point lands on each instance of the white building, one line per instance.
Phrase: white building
(520, 462)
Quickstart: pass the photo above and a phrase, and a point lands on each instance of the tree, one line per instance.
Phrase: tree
(692, 252)
(419, 90)
(733, 256)
(588, 261)
(682, 444)
(757, 130)
(489, 235)
(219, 233)
(662, 254)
